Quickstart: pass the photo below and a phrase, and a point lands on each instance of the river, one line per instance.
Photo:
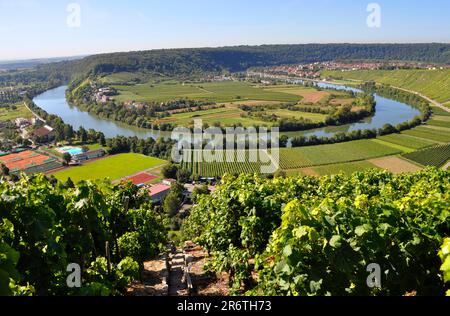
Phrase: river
(54, 102)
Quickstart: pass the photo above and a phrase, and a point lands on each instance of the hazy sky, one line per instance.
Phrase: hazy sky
(40, 28)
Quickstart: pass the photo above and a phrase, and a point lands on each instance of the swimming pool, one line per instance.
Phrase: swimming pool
(71, 150)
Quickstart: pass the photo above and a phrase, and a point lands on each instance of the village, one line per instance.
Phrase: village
(313, 70)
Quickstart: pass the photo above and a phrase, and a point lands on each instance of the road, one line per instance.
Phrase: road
(40, 118)
(434, 102)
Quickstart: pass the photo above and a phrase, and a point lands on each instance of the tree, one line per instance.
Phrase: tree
(170, 171)
(5, 170)
(68, 132)
(102, 140)
(199, 191)
(172, 204)
(83, 135)
(69, 184)
(67, 158)
(280, 174)
(183, 175)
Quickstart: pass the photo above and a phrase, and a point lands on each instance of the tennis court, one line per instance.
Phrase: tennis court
(25, 160)
(141, 178)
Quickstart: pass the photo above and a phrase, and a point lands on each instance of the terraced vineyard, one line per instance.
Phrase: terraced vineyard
(434, 84)
(436, 156)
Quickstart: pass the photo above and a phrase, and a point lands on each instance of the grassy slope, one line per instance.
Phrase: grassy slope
(433, 83)
(114, 167)
(8, 114)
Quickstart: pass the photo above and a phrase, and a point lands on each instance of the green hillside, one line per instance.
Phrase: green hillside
(433, 83)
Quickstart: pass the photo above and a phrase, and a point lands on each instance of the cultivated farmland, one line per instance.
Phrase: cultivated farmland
(436, 156)
(432, 83)
(407, 141)
(294, 158)
(429, 133)
(234, 162)
(209, 91)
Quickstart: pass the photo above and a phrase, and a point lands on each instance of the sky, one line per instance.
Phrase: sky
(55, 28)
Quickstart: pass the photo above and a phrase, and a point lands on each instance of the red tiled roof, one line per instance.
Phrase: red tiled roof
(43, 131)
(158, 188)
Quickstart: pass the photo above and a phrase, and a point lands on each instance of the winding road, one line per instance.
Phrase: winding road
(434, 102)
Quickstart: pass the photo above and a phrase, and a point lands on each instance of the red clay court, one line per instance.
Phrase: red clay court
(24, 160)
(141, 178)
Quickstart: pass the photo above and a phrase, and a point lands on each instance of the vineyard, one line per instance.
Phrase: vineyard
(108, 231)
(435, 157)
(293, 158)
(434, 84)
(316, 236)
(234, 162)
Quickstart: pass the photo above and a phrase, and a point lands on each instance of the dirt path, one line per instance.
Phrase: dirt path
(154, 279)
(32, 112)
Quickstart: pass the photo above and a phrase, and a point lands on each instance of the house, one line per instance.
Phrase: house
(158, 192)
(104, 99)
(93, 154)
(169, 182)
(36, 122)
(21, 122)
(45, 133)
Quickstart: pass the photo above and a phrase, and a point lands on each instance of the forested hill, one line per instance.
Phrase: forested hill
(239, 58)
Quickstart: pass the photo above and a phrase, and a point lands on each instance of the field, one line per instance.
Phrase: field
(432, 83)
(210, 92)
(114, 167)
(243, 161)
(430, 133)
(436, 156)
(308, 95)
(441, 121)
(283, 113)
(294, 158)
(395, 164)
(334, 156)
(7, 114)
(441, 112)
(407, 141)
(224, 116)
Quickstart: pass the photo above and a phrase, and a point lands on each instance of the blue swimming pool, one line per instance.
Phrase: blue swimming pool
(71, 150)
